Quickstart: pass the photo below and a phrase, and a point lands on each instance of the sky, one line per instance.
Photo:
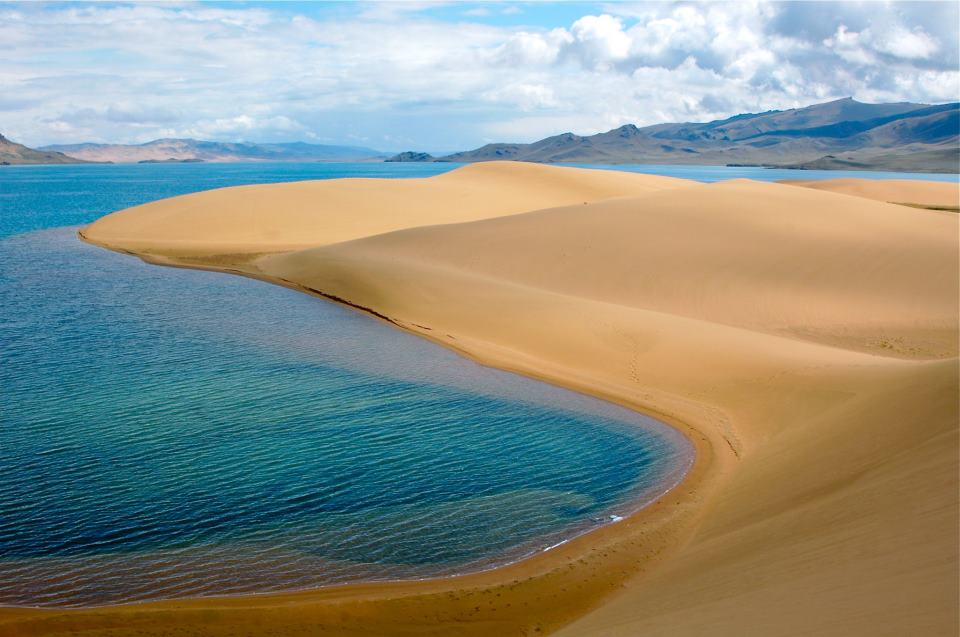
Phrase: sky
(445, 76)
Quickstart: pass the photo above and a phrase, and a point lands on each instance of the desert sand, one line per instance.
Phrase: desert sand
(902, 191)
(805, 341)
(274, 217)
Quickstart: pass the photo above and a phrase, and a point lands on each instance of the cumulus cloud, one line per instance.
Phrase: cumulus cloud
(908, 44)
(400, 75)
(898, 42)
(531, 49)
(598, 41)
(527, 96)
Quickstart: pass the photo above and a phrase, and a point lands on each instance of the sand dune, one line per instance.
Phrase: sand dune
(804, 340)
(310, 213)
(903, 191)
(715, 253)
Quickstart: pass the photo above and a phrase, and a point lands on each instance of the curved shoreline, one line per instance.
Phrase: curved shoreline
(640, 497)
(808, 355)
(533, 568)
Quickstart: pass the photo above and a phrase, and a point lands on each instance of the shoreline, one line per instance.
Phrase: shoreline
(684, 477)
(923, 175)
(819, 395)
(606, 518)
(614, 536)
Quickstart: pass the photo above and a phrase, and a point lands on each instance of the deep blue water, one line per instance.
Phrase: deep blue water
(168, 432)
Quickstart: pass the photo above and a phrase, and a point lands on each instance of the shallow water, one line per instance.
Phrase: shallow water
(169, 432)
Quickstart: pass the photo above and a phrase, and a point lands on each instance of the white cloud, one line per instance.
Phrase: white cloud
(911, 45)
(599, 40)
(531, 49)
(897, 41)
(850, 46)
(390, 74)
(527, 96)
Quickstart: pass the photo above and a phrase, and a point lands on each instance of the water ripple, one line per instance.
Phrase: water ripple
(168, 433)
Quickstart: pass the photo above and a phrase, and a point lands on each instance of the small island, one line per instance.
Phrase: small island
(410, 156)
(172, 160)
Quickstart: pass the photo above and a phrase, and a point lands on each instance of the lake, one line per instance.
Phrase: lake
(169, 433)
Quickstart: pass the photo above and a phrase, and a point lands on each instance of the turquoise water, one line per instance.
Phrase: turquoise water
(169, 433)
(36, 197)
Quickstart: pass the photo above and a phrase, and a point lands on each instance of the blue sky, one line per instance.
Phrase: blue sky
(507, 14)
(443, 76)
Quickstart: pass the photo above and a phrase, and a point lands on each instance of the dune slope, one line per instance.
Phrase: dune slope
(758, 256)
(310, 213)
(804, 340)
(902, 191)
(790, 325)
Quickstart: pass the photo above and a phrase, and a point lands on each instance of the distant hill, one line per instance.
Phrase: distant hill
(875, 134)
(192, 149)
(944, 160)
(409, 156)
(14, 153)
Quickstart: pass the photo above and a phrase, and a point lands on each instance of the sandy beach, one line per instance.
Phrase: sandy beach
(803, 335)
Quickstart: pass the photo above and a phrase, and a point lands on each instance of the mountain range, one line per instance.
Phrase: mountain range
(194, 150)
(14, 153)
(842, 134)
